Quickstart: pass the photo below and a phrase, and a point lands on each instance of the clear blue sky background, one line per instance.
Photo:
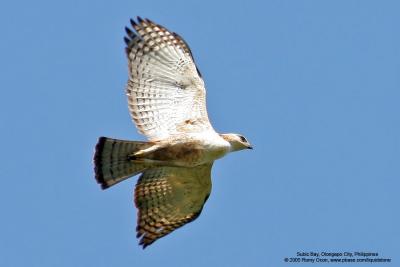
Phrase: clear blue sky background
(314, 85)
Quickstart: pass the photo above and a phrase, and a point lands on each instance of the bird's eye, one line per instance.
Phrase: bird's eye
(243, 139)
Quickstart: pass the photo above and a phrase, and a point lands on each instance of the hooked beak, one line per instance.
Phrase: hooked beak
(250, 147)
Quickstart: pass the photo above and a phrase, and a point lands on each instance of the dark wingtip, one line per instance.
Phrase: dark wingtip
(145, 244)
(139, 19)
(143, 240)
(133, 23)
(98, 163)
(149, 21)
(129, 32)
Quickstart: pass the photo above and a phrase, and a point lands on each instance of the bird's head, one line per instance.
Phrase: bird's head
(237, 141)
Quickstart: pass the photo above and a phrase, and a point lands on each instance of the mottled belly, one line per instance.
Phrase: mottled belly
(188, 154)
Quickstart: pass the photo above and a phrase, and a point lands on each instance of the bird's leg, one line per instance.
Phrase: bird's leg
(144, 152)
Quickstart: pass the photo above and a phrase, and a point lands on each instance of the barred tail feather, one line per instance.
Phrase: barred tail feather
(111, 160)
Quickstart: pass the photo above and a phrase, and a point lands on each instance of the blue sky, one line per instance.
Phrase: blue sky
(314, 85)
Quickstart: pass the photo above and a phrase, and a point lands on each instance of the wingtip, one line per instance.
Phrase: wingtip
(149, 20)
(144, 244)
(133, 23)
(128, 31)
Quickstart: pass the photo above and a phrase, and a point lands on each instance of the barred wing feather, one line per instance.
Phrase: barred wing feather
(166, 93)
(168, 198)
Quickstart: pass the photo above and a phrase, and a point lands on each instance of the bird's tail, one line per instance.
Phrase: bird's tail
(112, 163)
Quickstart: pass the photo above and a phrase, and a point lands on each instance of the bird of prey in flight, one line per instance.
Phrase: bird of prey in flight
(167, 102)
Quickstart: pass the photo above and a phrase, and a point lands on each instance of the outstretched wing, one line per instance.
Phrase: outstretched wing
(168, 198)
(166, 94)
